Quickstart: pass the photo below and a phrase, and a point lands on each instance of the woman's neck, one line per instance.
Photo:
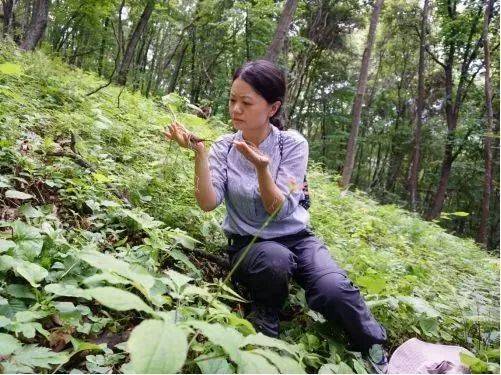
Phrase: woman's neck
(256, 136)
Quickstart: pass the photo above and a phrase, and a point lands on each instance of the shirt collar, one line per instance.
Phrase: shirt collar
(270, 139)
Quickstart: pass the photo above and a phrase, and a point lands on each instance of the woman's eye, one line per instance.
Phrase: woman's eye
(247, 103)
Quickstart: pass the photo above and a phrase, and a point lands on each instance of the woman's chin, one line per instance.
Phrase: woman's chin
(239, 125)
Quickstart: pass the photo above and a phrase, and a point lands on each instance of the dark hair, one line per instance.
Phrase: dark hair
(267, 80)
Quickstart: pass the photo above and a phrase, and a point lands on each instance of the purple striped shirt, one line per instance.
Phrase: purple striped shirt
(234, 178)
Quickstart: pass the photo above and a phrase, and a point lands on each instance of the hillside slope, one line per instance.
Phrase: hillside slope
(81, 269)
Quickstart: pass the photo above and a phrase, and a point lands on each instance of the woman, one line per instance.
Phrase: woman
(254, 171)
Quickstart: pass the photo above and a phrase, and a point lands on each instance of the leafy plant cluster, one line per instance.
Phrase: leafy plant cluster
(90, 283)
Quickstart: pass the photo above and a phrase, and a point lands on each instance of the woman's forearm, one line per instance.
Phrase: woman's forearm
(204, 191)
(271, 196)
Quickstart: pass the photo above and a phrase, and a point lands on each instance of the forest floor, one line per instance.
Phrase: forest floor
(100, 239)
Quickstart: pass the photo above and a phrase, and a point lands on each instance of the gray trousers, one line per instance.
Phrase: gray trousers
(269, 264)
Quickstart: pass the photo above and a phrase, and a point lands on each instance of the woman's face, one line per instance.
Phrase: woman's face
(248, 109)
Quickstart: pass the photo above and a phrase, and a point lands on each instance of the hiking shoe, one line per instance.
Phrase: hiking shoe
(377, 358)
(264, 319)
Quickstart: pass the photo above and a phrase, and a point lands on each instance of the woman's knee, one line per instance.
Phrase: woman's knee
(330, 290)
(267, 257)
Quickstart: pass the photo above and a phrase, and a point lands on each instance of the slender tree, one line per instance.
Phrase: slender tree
(8, 8)
(133, 41)
(37, 25)
(359, 98)
(454, 98)
(277, 43)
(486, 196)
(416, 144)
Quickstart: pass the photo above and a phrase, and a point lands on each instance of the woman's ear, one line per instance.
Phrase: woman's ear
(275, 107)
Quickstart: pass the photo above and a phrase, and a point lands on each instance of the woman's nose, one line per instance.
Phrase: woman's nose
(237, 109)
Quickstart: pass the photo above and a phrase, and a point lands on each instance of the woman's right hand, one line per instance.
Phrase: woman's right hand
(178, 133)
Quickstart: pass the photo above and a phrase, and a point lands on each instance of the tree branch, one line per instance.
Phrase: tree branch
(432, 55)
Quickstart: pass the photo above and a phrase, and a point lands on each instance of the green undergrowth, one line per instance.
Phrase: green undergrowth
(90, 284)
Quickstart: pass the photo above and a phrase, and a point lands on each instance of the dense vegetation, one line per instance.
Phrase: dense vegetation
(98, 224)
(192, 47)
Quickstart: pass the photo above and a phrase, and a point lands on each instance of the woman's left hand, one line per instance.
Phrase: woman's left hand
(252, 154)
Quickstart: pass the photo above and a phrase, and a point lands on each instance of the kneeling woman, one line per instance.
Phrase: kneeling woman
(252, 171)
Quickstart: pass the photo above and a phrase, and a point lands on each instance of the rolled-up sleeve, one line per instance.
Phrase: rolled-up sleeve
(291, 174)
(218, 156)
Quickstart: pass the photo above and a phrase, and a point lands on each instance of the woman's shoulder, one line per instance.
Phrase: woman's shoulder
(292, 137)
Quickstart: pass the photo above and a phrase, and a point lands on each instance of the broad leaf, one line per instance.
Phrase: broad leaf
(8, 344)
(420, 306)
(157, 347)
(285, 364)
(109, 263)
(27, 238)
(10, 69)
(119, 299)
(373, 284)
(6, 245)
(15, 194)
(36, 356)
(214, 365)
(67, 290)
(30, 271)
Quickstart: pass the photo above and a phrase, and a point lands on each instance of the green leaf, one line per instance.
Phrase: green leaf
(331, 368)
(285, 364)
(420, 306)
(28, 239)
(20, 291)
(119, 299)
(8, 344)
(180, 256)
(175, 280)
(251, 363)
(226, 337)
(429, 326)
(100, 177)
(109, 263)
(15, 194)
(6, 245)
(270, 342)
(29, 316)
(182, 238)
(29, 211)
(36, 356)
(79, 345)
(137, 220)
(67, 290)
(359, 368)
(32, 272)
(10, 69)
(214, 365)
(476, 365)
(373, 284)
(157, 347)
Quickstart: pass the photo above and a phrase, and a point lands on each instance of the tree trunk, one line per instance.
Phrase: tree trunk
(173, 80)
(277, 43)
(359, 99)
(134, 39)
(8, 7)
(453, 103)
(37, 25)
(416, 143)
(102, 48)
(486, 197)
(247, 34)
